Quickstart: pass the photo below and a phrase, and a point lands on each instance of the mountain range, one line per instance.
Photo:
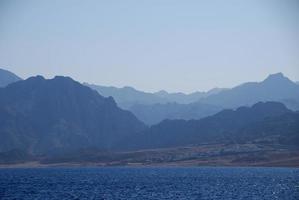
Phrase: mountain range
(275, 87)
(127, 97)
(44, 117)
(261, 122)
(153, 108)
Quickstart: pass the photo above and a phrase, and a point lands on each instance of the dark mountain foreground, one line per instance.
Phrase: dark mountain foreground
(266, 134)
(268, 122)
(41, 116)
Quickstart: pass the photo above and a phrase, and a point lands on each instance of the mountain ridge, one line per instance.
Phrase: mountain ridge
(226, 126)
(276, 87)
(43, 115)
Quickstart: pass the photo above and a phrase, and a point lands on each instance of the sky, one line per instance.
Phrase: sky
(151, 45)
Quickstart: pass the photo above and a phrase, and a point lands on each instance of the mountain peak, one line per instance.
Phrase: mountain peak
(277, 76)
(162, 92)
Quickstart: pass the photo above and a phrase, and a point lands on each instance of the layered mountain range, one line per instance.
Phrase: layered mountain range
(127, 97)
(153, 108)
(275, 87)
(48, 116)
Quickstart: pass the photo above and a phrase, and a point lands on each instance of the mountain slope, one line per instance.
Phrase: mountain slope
(7, 77)
(275, 87)
(42, 115)
(226, 126)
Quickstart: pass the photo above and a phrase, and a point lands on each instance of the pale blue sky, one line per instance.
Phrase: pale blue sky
(151, 45)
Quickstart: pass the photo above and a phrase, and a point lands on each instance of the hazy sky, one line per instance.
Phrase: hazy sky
(151, 45)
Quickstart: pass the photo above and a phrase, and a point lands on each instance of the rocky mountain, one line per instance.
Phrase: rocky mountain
(261, 122)
(43, 116)
(7, 77)
(275, 87)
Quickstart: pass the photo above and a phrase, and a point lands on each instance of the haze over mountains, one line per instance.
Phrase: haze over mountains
(152, 108)
(47, 116)
(128, 96)
(275, 87)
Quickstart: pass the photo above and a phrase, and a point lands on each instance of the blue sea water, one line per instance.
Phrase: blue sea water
(150, 183)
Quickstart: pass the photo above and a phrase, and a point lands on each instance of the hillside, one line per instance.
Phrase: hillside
(43, 116)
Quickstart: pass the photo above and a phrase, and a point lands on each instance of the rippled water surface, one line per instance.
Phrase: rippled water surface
(150, 183)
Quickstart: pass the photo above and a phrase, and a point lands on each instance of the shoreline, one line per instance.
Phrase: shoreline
(37, 165)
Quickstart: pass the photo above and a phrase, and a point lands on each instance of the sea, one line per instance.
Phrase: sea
(149, 183)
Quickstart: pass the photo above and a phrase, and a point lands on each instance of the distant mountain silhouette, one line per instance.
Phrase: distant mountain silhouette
(155, 113)
(42, 116)
(245, 124)
(275, 87)
(183, 98)
(128, 96)
(152, 108)
(7, 77)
